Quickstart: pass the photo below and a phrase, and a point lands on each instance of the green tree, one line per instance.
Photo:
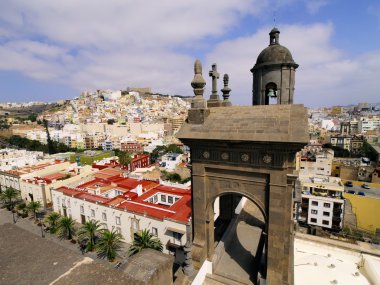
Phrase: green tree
(144, 239)
(157, 152)
(66, 228)
(52, 219)
(109, 244)
(23, 208)
(174, 148)
(4, 125)
(89, 230)
(9, 196)
(125, 157)
(50, 144)
(110, 121)
(32, 117)
(368, 151)
(34, 207)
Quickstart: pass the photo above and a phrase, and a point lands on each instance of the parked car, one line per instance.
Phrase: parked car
(348, 184)
(351, 192)
(361, 193)
(366, 186)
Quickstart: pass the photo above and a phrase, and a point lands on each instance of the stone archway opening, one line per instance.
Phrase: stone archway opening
(271, 94)
(239, 238)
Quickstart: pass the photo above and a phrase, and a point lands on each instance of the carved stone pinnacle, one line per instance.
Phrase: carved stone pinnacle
(226, 91)
(198, 82)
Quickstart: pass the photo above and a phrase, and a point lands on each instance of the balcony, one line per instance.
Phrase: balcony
(337, 211)
(336, 220)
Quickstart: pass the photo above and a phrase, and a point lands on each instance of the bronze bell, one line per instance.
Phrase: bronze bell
(271, 93)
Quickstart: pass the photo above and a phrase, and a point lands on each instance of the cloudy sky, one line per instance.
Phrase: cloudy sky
(51, 50)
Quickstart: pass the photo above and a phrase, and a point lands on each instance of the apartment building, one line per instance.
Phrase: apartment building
(322, 201)
(367, 124)
(314, 160)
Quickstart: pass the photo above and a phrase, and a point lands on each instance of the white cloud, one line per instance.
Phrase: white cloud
(313, 6)
(94, 44)
(326, 76)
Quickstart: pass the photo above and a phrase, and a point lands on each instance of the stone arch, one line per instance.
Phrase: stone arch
(251, 198)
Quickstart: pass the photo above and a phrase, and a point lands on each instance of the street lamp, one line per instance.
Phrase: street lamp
(15, 217)
(41, 224)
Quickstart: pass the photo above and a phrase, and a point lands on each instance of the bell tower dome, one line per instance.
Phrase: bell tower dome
(274, 73)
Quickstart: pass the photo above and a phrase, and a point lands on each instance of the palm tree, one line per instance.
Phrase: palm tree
(144, 239)
(89, 230)
(109, 244)
(66, 228)
(23, 208)
(34, 206)
(52, 219)
(8, 196)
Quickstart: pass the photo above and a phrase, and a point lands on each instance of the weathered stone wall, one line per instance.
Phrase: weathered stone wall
(150, 267)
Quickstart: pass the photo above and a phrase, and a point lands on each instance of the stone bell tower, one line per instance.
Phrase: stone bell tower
(244, 151)
(274, 73)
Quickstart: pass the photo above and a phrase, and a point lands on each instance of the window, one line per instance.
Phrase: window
(155, 199)
(135, 224)
(313, 220)
(177, 236)
(104, 216)
(326, 205)
(154, 231)
(325, 222)
(68, 203)
(315, 212)
(170, 199)
(92, 213)
(163, 198)
(117, 220)
(82, 209)
(314, 203)
(118, 230)
(326, 214)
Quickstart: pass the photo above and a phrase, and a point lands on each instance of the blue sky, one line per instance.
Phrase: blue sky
(52, 50)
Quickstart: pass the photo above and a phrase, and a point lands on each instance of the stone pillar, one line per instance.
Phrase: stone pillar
(279, 236)
(199, 250)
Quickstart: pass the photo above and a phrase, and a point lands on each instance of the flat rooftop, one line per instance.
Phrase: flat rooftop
(318, 263)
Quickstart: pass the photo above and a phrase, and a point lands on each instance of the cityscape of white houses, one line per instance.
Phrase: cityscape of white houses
(322, 201)
(129, 205)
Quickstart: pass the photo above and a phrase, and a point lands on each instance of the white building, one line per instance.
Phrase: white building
(13, 158)
(322, 201)
(314, 160)
(369, 124)
(128, 206)
(170, 161)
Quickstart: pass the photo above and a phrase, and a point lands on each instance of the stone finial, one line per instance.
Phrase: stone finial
(198, 82)
(226, 91)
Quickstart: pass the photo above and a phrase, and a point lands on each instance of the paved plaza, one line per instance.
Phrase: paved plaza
(27, 258)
